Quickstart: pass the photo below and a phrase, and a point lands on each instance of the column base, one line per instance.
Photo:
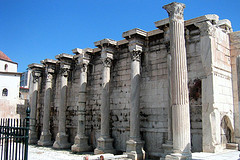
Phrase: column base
(61, 142)
(135, 149)
(81, 145)
(33, 139)
(45, 140)
(105, 145)
(237, 141)
(178, 156)
(210, 148)
(168, 148)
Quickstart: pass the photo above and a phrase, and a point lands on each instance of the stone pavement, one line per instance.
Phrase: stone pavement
(45, 153)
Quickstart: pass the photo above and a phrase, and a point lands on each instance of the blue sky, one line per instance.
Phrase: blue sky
(32, 30)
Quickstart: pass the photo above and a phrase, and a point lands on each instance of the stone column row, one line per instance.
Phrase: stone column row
(179, 94)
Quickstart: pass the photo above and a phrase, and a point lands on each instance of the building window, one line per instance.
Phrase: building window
(6, 67)
(5, 92)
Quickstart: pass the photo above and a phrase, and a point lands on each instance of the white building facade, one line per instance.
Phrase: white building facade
(9, 87)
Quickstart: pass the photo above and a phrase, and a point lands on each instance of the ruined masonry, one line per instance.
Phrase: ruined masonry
(160, 94)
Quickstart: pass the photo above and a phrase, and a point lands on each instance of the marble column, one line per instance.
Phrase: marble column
(46, 137)
(179, 84)
(61, 141)
(136, 39)
(81, 140)
(36, 73)
(105, 143)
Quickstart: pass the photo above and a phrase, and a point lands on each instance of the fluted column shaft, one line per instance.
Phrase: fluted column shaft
(180, 99)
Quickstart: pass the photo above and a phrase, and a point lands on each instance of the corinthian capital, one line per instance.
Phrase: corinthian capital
(82, 57)
(36, 74)
(206, 28)
(136, 55)
(107, 62)
(175, 10)
(50, 66)
(64, 69)
(84, 67)
(108, 47)
(36, 71)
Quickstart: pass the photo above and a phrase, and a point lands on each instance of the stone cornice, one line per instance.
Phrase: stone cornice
(210, 17)
(225, 24)
(64, 58)
(136, 38)
(105, 42)
(49, 61)
(134, 32)
(213, 18)
(35, 65)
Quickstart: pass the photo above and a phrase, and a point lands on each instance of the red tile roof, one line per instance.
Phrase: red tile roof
(4, 56)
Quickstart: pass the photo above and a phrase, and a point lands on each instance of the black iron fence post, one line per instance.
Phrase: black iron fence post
(27, 133)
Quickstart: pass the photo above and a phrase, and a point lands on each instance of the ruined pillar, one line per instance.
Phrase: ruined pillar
(136, 39)
(211, 141)
(179, 81)
(81, 140)
(105, 143)
(46, 137)
(61, 141)
(36, 73)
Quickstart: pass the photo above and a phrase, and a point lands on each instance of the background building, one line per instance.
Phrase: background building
(9, 87)
(24, 85)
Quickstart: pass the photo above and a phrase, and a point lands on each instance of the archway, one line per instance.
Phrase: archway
(227, 132)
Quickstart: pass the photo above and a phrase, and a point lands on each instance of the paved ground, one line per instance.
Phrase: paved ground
(43, 153)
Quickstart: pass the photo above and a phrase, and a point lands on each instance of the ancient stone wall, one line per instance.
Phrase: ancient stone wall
(154, 90)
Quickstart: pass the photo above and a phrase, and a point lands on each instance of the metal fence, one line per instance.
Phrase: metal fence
(14, 138)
